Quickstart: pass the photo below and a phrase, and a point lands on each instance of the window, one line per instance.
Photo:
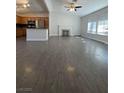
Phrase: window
(92, 27)
(102, 27)
(99, 27)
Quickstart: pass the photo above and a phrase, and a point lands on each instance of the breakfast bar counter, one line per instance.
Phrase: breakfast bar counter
(36, 34)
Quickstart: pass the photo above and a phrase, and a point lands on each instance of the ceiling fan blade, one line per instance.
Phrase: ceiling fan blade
(66, 6)
(78, 7)
(74, 0)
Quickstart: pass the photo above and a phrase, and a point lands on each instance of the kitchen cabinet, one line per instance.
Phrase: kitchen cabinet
(18, 19)
(46, 23)
(37, 34)
(43, 22)
(20, 32)
(24, 20)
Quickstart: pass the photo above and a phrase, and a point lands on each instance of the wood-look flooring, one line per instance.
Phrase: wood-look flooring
(61, 65)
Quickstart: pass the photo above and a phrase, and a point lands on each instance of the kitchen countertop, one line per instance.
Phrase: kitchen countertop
(37, 28)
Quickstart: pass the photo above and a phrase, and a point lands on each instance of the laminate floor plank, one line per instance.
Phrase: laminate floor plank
(61, 65)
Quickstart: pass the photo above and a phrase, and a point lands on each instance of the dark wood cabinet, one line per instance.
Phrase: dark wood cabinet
(18, 19)
(44, 22)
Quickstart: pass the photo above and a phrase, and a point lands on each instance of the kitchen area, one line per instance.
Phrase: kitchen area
(32, 28)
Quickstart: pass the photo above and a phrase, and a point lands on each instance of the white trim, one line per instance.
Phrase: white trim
(95, 39)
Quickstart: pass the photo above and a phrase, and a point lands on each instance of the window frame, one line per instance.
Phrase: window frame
(96, 27)
(92, 27)
(102, 33)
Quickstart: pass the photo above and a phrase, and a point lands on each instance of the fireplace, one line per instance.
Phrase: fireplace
(65, 32)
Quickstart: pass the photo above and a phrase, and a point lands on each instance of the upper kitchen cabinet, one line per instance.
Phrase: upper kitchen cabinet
(42, 21)
(46, 22)
(24, 20)
(18, 19)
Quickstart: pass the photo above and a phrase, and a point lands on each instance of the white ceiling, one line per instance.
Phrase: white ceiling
(41, 6)
(36, 7)
(88, 6)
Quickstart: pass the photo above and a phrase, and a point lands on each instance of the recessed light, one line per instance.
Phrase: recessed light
(28, 5)
(24, 5)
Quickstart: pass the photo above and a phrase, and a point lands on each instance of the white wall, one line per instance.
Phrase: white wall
(64, 21)
(101, 14)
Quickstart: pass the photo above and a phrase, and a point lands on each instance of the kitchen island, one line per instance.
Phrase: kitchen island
(36, 34)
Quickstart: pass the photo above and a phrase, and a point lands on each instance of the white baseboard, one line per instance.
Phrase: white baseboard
(60, 35)
(96, 40)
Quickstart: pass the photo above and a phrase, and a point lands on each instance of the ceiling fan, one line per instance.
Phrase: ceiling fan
(71, 6)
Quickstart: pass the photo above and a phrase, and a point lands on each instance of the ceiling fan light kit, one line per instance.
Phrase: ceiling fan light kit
(72, 6)
(71, 9)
